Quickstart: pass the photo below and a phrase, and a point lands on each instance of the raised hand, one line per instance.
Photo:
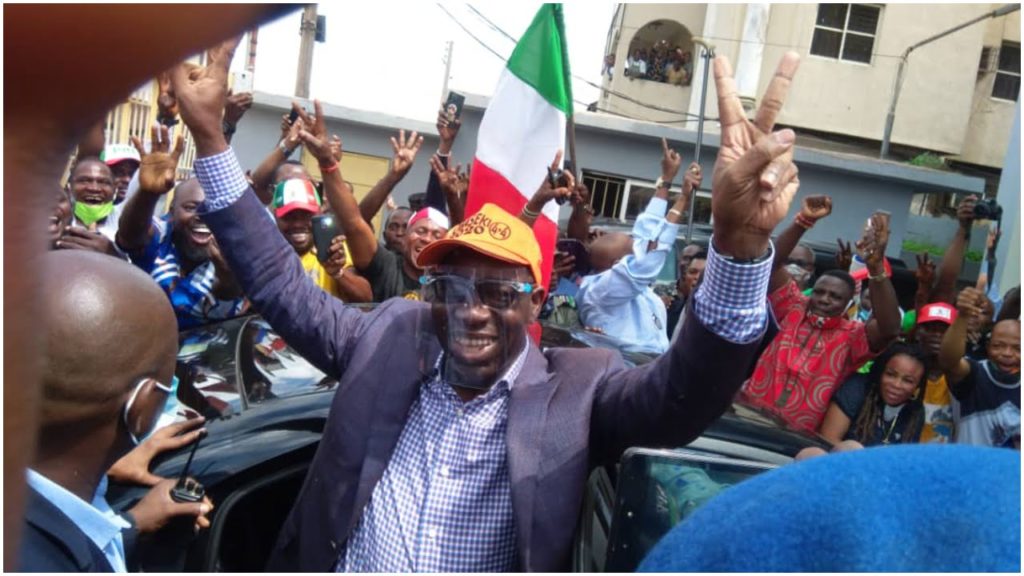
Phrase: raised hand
(670, 162)
(336, 257)
(404, 153)
(844, 256)
(158, 166)
(77, 238)
(133, 467)
(925, 272)
(452, 179)
(754, 179)
(816, 207)
(201, 93)
(965, 211)
(969, 303)
(692, 178)
(166, 102)
(236, 106)
(547, 192)
(871, 248)
(314, 135)
(447, 129)
(336, 147)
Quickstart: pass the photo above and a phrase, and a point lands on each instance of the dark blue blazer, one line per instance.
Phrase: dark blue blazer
(570, 409)
(51, 542)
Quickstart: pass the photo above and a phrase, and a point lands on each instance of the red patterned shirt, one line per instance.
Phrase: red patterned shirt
(811, 355)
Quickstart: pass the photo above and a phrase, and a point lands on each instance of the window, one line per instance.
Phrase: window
(1007, 84)
(606, 193)
(845, 31)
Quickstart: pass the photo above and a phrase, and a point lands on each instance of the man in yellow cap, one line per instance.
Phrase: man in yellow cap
(454, 444)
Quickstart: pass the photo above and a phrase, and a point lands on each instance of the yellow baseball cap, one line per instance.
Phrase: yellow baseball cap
(492, 232)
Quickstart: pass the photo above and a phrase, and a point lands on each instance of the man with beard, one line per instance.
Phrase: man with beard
(294, 204)
(123, 161)
(177, 250)
(818, 347)
(454, 443)
(395, 228)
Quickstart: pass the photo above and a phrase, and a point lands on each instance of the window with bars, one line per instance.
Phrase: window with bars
(1007, 83)
(846, 31)
(606, 193)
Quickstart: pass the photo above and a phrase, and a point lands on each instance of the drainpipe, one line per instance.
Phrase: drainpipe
(890, 117)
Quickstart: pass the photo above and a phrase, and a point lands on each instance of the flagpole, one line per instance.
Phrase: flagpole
(571, 125)
(707, 55)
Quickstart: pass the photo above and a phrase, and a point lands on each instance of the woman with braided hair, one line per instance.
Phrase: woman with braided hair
(882, 406)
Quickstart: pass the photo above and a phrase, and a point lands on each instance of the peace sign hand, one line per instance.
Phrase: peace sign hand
(201, 93)
(754, 179)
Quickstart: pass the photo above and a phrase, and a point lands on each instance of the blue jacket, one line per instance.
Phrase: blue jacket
(570, 409)
(50, 541)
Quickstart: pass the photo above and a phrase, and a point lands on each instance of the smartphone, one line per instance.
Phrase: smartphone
(453, 106)
(293, 116)
(242, 82)
(579, 251)
(325, 228)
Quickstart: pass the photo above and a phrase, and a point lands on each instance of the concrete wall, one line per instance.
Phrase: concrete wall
(943, 106)
(1008, 252)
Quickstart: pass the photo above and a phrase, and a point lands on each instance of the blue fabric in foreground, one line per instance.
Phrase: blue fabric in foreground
(918, 508)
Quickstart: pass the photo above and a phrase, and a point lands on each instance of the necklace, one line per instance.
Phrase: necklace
(888, 433)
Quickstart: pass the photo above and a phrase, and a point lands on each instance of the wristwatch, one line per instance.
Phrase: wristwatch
(660, 183)
(283, 147)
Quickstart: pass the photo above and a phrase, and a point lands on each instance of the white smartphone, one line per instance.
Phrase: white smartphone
(242, 82)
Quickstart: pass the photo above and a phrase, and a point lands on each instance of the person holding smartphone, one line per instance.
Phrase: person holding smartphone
(295, 204)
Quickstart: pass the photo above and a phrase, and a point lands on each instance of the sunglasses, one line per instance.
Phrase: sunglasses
(458, 290)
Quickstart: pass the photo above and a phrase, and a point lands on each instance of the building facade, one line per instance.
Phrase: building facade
(958, 93)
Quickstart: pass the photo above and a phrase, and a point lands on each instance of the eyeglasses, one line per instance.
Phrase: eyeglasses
(458, 290)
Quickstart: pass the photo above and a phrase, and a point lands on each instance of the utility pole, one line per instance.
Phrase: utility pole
(447, 69)
(307, 29)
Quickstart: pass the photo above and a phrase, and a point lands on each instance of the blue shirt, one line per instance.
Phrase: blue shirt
(191, 295)
(620, 300)
(96, 520)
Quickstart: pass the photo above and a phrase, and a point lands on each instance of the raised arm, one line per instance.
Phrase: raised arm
(673, 399)
(952, 262)
(582, 215)
(954, 342)
(925, 275)
(884, 325)
(448, 130)
(453, 184)
(361, 241)
(317, 325)
(235, 107)
(352, 287)
(812, 209)
(156, 178)
(263, 175)
(404, 150)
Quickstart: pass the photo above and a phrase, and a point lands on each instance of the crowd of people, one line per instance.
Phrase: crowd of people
(659, 63)
(829, 353)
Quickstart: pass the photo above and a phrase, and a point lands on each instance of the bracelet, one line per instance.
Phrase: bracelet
(329, 169)
(284, 149)
(676, 212)
(448, 155)
(878, 277)
(661, 183)
(529, 213)
(803, 222)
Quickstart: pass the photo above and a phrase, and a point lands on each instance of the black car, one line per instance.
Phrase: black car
(267, 407)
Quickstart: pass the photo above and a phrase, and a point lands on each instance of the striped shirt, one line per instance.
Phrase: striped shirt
(191, 295)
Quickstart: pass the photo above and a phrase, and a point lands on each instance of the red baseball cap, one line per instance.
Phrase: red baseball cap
(937, 312)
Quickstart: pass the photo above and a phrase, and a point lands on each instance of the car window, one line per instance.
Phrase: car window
(658, 489)
(271, 369)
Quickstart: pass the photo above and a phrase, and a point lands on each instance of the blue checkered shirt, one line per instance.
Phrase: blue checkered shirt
(444, 502)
